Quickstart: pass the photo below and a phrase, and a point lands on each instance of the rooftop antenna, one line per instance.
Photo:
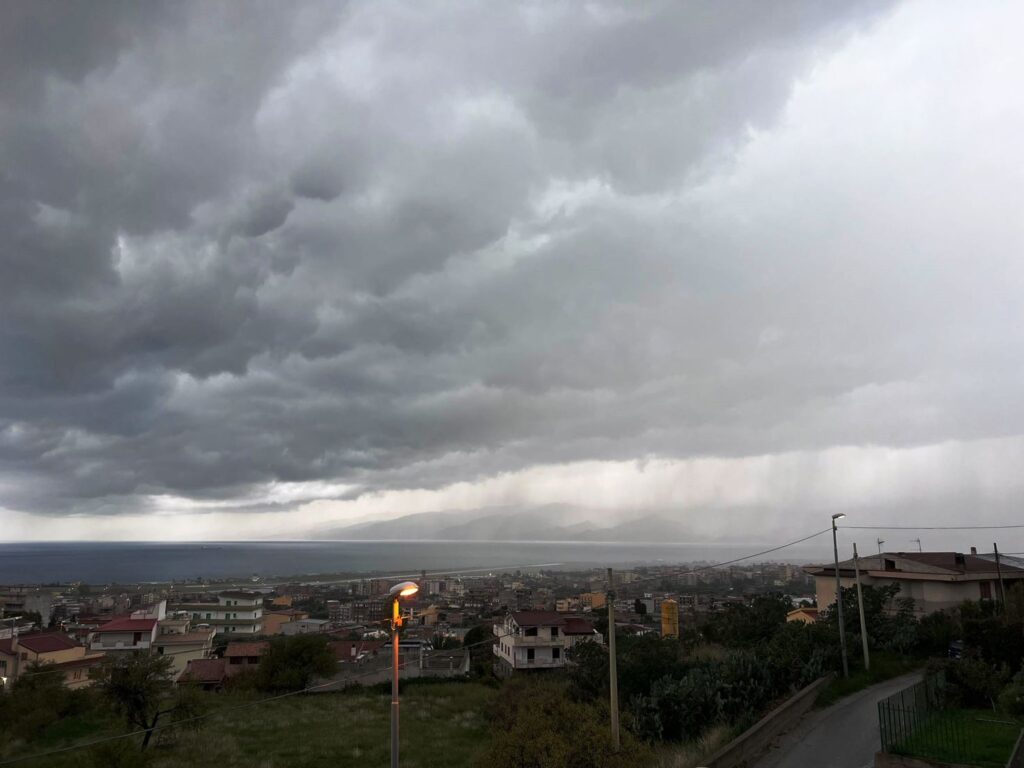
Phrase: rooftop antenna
(880, 543)
(919, 549)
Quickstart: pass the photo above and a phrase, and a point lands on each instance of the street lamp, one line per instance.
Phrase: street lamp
(405, 589)
(839, 595)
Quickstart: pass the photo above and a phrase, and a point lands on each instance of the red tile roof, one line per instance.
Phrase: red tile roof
(49, 642)
(125, 624)
(577, 626)
(205, 671)
(538, 618)
(247, 649)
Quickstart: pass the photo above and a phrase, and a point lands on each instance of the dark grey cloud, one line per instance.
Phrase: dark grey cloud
(267, 243)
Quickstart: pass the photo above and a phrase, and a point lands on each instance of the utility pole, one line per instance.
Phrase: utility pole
(918, 545)
(880, 543)
(860, 607)
(613, 680)
(839, 596)
(999, 571)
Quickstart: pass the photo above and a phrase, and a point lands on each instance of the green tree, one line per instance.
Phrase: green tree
(536, 724)
(744, 625)
(444, 643)
(291, 663)
(481, 657)
(140, 687)
(588, 673)
(36, 700)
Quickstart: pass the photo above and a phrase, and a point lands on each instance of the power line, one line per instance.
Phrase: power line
(712, 566)
(932, 527)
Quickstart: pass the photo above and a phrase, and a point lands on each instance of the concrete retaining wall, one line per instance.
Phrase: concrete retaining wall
(1017, 758)
(752, 743)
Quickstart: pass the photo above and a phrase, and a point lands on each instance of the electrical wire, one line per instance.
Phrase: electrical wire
(932, 527)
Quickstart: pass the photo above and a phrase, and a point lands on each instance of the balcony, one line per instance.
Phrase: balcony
(533, 641)
(539, 663)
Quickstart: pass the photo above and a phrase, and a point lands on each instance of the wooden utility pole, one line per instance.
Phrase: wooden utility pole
(999, 572)
(613, 680)
(860, 607)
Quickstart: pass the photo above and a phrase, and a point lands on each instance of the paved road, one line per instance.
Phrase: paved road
(844, 735)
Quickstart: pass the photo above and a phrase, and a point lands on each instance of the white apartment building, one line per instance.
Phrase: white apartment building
(234, 613)
(124, 635)
(135, 632)
(177, 640)
(538, 640)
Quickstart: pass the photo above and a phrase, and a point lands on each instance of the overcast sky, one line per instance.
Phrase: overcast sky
(268, 267)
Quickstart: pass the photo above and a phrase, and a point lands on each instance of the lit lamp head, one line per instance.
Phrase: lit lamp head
(405, 589)
(836, 516)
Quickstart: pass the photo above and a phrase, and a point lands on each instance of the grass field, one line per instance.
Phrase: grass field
(974, 736)
(884, 666)
(443, 724)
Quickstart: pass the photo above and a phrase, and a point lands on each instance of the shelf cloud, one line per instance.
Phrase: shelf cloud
(268, 267)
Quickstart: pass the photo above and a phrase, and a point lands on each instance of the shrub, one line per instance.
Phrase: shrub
(1011, 700)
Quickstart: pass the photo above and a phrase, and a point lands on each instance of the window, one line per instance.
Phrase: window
(530, 632)
(554, 631)
(530, 653)
(136, 638)
(556, 653)
(986, 590)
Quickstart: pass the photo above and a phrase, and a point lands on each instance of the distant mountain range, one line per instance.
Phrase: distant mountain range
(547, 523)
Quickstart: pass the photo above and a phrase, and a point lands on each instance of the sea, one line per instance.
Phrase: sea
(139, 562)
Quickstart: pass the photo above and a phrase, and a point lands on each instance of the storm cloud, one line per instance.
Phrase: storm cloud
(283, 260)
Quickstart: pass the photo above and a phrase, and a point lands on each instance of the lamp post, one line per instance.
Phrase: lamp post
(839, 595)
(405, 589)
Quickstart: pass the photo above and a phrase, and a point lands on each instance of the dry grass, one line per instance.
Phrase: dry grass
(693, 754)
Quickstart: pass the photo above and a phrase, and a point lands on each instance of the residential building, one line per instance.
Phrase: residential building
(124, 634)
(592, 600)
(244, 655)
(50, 648)
(274, 620)
(305, 627)
(208, 674)
(234, 613)
(933, 580)
(356, 651)
(177, 640)
(538, 639)
(804, 615)
(333, 610)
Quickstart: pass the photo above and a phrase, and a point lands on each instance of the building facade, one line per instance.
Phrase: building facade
(234, 613)
(531, 640)
(935, 581)
(49, 648)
